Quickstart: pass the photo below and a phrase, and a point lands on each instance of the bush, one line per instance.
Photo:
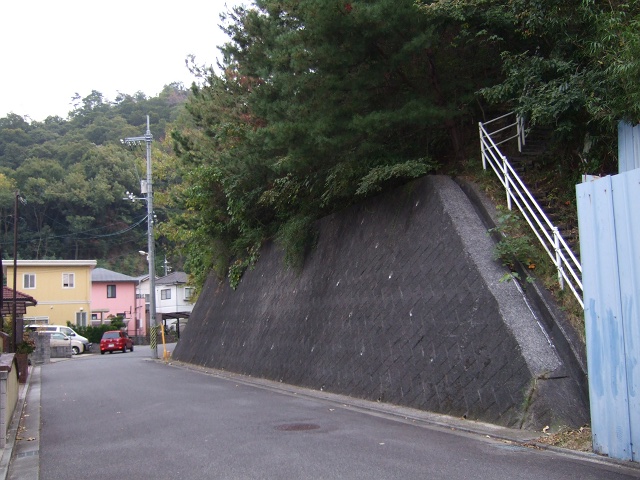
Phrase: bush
(93, 333)
(514, 244)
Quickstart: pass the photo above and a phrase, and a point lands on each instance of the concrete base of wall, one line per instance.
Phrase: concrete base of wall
(61, 352)
(400, 302)
(9, 389)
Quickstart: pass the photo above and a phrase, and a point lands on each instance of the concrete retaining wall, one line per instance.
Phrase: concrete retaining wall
(9, 389)
(400, 302)
(44, 352)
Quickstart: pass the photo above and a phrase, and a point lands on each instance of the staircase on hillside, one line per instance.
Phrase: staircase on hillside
(530, 163)
(521, 173)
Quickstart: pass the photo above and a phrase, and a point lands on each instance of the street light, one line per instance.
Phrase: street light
(147, 188)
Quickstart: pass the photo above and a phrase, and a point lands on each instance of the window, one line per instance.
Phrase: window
(165, 294)
(29, 280)
(111, 291)
(81, 319)
(68, 280)
(188, 293)
(41, 320)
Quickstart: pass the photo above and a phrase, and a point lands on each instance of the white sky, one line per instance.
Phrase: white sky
(51, 49)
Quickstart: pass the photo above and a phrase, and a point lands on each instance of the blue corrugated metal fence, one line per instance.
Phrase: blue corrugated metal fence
(610, 253)
(628, 147)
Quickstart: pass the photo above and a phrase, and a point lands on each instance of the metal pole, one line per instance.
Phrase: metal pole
(151, 249)
(15, 273)
(484, 159)
(153, 333)
(556, 244)
(507, 182)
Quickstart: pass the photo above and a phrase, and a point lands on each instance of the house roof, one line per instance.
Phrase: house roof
(48, 263)
(22, 301)
(104, 275)
(173, 278)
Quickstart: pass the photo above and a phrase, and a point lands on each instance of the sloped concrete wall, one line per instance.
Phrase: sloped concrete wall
(400, 302)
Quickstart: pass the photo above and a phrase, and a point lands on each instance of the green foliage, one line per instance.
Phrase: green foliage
(73, 174)
(612, 48)
(117, 322)
(319, 105)
(380, 177)
(296, 236)
(514, 244)
(93, 333)
(574, 67)
(237, 269)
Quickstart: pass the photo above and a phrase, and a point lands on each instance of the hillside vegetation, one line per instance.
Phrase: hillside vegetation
(316, 105)
(322, 103)
(73, 174)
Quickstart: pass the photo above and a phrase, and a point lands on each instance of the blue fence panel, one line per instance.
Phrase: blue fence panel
(628, 147)
(626, 198)
(609, 236)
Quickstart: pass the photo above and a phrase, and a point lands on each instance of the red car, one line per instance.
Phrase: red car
(115, 340)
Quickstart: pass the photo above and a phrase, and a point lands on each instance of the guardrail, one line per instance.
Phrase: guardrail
(568, 266)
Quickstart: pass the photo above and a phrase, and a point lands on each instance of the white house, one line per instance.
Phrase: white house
(173, 298)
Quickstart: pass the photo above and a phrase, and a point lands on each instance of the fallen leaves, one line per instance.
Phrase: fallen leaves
(579, 439)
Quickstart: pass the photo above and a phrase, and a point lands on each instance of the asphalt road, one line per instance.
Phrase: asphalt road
(120, 416)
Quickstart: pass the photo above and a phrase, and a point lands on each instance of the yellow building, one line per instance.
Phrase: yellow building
(62, 288)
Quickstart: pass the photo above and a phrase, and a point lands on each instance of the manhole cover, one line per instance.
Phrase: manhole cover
(297, 427)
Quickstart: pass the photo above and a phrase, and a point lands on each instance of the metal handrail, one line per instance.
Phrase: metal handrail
(568, 266)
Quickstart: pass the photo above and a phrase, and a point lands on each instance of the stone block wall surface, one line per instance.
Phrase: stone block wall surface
(42, 353)
(400, 302)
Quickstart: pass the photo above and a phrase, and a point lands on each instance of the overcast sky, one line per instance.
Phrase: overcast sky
(51, 49)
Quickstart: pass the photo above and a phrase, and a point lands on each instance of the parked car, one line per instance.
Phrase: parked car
(58, 339)
(115, 340)
(79, 344)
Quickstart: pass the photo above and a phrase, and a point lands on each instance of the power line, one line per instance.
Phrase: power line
(79, 234)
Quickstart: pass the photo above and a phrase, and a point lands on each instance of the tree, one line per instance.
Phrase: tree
(323, 103)
(7, 198)
(574, 68)
(74, 174)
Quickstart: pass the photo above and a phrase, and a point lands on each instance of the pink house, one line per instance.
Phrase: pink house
(113, 294)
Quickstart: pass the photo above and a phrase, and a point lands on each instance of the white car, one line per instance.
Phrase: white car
(60, 340)
(79, 344)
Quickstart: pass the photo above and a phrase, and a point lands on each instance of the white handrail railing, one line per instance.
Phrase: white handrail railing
(568, 266)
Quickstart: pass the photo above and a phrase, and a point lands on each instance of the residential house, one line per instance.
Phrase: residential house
(173, 298)
(7, 311)
(62, 287)
(114, 294)
(22, 302)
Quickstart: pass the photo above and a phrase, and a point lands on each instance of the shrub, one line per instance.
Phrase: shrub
(93, 333)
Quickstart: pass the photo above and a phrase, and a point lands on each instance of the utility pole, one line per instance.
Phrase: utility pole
(14, 339)
(147, 187)
(17, 329)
